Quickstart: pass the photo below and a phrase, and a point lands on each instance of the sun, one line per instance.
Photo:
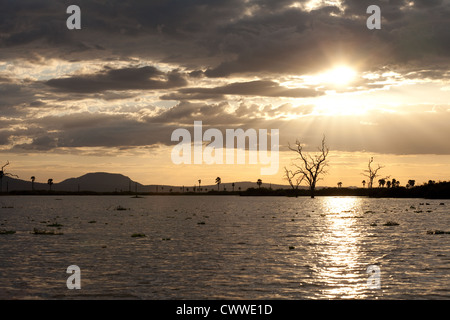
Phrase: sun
(338, 76)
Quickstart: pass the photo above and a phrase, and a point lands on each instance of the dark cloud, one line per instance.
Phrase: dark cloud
(227, 37)
(252, 88)
(15, 96)
(143, 78)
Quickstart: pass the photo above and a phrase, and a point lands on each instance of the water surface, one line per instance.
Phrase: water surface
(224, 247)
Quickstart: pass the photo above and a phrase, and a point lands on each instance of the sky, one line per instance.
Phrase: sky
(109, 96)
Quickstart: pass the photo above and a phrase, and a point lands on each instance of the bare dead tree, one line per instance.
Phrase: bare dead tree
(372, 173)
(295, 179)
(312, 167)
(5, 174)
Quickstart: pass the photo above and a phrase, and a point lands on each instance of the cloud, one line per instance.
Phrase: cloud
(142, 78)
(395, 133)
(261, 88)
(225, 38)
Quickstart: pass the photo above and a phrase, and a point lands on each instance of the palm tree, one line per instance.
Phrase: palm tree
(381, 183)
(50, 182)
(411, 183)
(232, 186)
(339, 184)
(364, 183)
(388, 184)
(394, 183)
(259, 183)
(199, 184)
(218, 181)
(32, 182)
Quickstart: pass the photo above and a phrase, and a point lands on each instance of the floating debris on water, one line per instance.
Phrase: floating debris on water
(56, 225)
(391, 223)
(45, 232)
(7, 232)
(138, 235)
(437, 232)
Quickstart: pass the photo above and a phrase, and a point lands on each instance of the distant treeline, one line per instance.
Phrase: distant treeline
(440, 190)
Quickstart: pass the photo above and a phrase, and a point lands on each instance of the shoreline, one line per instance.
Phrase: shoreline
(439, 190)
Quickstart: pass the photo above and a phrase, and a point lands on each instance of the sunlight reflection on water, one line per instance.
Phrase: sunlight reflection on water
(341, 257)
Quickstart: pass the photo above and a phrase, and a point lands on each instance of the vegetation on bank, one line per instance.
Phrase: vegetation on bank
(439, 190)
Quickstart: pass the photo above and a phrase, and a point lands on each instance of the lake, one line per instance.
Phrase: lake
(224, 247)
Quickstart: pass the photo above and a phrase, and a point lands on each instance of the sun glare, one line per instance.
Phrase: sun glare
(341, 75)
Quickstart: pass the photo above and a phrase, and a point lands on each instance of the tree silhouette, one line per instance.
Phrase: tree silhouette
(3, 173)
(259, 183)
(32, 182)
(218, 181)
(372, 173)
(394, 183)
(199, 184)
(381, 183)
(289, 176)
(50, 183)
(364, 183)
(339, 184)
(232, 185)
(310, 167)
(411, 183)
(388, 184)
